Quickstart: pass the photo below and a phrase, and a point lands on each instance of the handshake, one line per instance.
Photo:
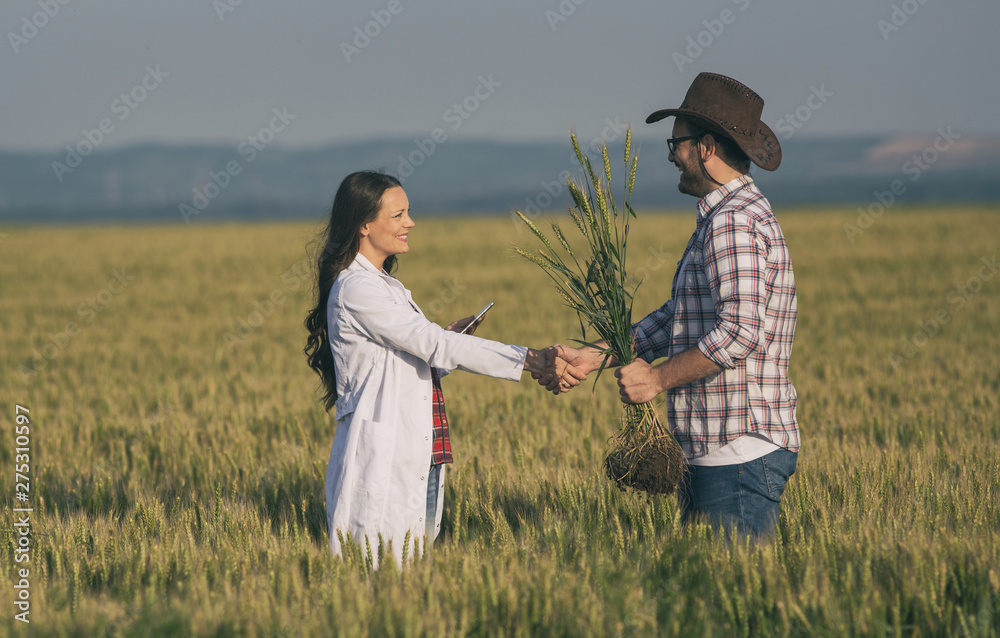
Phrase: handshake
(557, 368)
(565, 368)
(560, 368)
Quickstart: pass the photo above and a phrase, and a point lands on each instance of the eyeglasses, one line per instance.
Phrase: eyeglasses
(674, 141)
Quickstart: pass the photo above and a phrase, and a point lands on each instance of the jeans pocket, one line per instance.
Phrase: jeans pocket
(778, 468)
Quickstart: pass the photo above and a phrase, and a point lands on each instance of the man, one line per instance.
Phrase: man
(728, 326)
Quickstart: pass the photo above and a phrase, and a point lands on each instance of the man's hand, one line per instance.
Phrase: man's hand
(552, 371)
(579, 361)
(638, 382)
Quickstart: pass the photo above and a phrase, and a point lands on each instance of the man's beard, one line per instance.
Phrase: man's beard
(691, 181)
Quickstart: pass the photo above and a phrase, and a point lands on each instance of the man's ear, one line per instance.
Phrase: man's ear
(708, 141)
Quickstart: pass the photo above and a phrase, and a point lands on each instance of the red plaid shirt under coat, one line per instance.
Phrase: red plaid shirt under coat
(733, 298)
(442, 445)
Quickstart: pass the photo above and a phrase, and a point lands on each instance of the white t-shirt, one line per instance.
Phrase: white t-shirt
(746, 448)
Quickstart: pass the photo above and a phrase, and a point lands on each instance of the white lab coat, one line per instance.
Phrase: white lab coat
(383, 349)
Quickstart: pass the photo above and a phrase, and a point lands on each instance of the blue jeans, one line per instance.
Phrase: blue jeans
(745, 496)
(432, 519)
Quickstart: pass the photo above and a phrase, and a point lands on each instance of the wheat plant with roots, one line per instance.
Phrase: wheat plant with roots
(643, 455)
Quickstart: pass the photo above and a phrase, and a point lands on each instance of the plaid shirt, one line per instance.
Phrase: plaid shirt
(733, 297)
(442, 445)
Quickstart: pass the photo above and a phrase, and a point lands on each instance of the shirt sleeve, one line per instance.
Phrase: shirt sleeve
(734, 259)
(398, 326)
(652, 333)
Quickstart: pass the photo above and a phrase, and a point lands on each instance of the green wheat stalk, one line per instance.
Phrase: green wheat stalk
(595, 283)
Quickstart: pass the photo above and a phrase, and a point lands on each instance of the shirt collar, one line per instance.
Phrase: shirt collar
(709, 202)
(362, 262)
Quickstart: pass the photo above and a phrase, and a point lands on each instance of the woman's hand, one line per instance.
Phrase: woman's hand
(458, 326)
(568, 365)
(548, 364)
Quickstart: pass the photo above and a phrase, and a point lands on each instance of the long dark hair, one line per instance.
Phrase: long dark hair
(358, 201)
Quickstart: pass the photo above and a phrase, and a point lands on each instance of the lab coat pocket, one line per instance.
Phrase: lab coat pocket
(376, 447)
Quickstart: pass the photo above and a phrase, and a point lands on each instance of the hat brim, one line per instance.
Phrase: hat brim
(763, 149)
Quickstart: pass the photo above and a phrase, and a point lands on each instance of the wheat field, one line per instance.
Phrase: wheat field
(176, 449)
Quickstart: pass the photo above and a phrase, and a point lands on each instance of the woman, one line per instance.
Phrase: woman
(378, 358)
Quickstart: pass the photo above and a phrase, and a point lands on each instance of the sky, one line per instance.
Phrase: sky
(315, 72)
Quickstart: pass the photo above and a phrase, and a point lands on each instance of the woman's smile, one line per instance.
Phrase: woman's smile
(389, 233)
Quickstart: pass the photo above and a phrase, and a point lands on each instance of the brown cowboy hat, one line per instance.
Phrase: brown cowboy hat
(725, 106)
